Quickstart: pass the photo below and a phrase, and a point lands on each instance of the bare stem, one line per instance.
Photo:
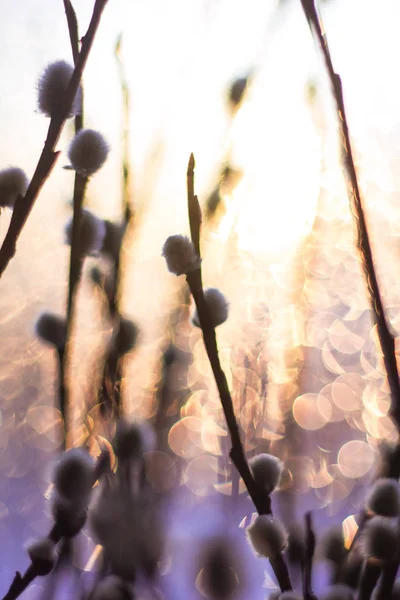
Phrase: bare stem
(308, 559)
(23, 206)
(260, 500)
(21, 582)
(369, 579)
(127, 202)
(385, 335)
(73, 30)
(75, 272)
(385, 586)
(76, 261)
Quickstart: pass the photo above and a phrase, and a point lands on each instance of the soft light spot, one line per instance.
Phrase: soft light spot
(307, 413)
(355, 459)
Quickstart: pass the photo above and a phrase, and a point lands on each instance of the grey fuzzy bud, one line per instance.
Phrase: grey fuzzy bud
(180, 255)
(132, 440)
(238, 89)
(380, 539)
(274, 596)
(296, 544)
(113, 239)
(88, 152)
(338, 592)
(42, 554)
(128, 528)
(384, 498)
(74, 475)
(267, 536)
(332, 545)
(126, 337)
(266, 471)
(111, 588)
(13, 183)
(52, 86)
(52, 330)
(91, 234)
(219, 577)
(69, 516)
(217, 308)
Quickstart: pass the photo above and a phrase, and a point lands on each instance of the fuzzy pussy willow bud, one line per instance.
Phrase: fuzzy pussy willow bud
(91, 234)
(53, 84)
(384, 498)
(74, 475)
(126, 337)
(88, 152)
(380, 539)
(52, 329)
(266, 471)
(112, 588)
(219, 566)
(13, 183)
(217, 307)
(133, 439)
(267, 536)
(180, 255)
(332, 545)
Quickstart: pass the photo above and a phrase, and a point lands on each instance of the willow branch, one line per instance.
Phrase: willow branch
(260, 500)
(127, 202)
(73, 30)
(48, 157)
(385, 335)
(368, 581)
(21, 582)
(308, 559)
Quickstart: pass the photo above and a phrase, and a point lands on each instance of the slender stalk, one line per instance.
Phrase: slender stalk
(369, 579)
(260, 500)
(76, 260)
(110, 388)
(73, 30)
(127, 202)
(385, 335)
(385, 586)
(308, 559)
(21, 582)
(48, 157)
(75, 272)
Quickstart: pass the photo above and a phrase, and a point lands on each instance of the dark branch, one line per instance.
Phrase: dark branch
(23, 206)
(386, 337)
(260, 499)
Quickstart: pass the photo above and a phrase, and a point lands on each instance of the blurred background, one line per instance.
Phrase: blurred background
(299, 349)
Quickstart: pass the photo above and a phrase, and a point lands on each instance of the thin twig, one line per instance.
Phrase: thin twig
(308, 559)
(386, 583)
(385, 335)
(76, 261)
(368, 581)
(21, 582)
(23, 206)
(127, 202)
(73, 30)
(260, 499)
